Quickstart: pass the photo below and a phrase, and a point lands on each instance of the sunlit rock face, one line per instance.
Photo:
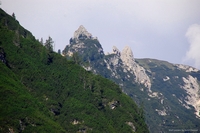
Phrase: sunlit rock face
(129, 62)
(116, 51)
(81, 42)
(81, 33)
(127, 56)
(191, 86)
(187, 68)
(125, 60)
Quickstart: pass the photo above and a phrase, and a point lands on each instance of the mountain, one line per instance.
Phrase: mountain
(41, 91)
(168, 92)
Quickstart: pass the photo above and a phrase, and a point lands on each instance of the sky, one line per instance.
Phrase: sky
(161, 29)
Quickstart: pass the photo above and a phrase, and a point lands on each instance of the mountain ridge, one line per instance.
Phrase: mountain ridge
(169, 92)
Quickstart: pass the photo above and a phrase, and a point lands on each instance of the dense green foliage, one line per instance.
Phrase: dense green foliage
(49, 44)
(43, 92)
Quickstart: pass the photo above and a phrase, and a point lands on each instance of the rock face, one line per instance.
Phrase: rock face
(116, 51)
(170, 93)
(128, 59)
(81, 43)
(191, 87)
(127, 56)
(130, 65)
(187, 68)
(132, 126)
(81, 33)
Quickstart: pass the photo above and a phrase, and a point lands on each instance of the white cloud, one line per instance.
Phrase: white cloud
(193, 35)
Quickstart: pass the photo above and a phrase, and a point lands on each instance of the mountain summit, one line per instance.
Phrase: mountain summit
(82, 33)
(83, 42)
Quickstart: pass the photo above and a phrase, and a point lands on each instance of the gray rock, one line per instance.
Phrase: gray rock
(81, 34)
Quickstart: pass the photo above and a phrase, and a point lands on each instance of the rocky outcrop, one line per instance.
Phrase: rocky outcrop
(186, 68)
(191, 86)
(116, 51)
(131, 125)
(130, 65)
(161, 112)
(81, 34)
(113, 104)
(80, 41)
(127, 56)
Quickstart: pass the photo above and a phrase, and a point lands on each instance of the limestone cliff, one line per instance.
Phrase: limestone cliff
(192, 88)
(129, 61)
(81, 33)
(129, 64)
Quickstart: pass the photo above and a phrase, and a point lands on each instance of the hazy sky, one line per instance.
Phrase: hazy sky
(161, 29)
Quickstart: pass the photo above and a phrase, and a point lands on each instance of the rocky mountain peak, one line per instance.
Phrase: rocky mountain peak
(116, 51)
(81, 33)
(127, 56)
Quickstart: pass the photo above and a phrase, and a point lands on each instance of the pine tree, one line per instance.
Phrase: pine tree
(76, 58)
(41, 41)
(49, 44)
(13, 15)
(59, 51)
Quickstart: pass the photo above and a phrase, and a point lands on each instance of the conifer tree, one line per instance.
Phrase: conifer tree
(41, 41)
(59, 51)
(76, 58)
(13, 15)
(49, 44)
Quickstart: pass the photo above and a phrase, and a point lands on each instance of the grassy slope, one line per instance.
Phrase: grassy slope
(42, 92)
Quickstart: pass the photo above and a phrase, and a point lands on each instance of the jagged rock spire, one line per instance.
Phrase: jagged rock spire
(82, 33)
(129, 61)
(116, 51)
(127, 56)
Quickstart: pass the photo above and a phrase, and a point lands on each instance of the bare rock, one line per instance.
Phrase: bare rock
(82, 34)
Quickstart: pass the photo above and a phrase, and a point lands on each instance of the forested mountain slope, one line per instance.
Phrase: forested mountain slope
(43, 92)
